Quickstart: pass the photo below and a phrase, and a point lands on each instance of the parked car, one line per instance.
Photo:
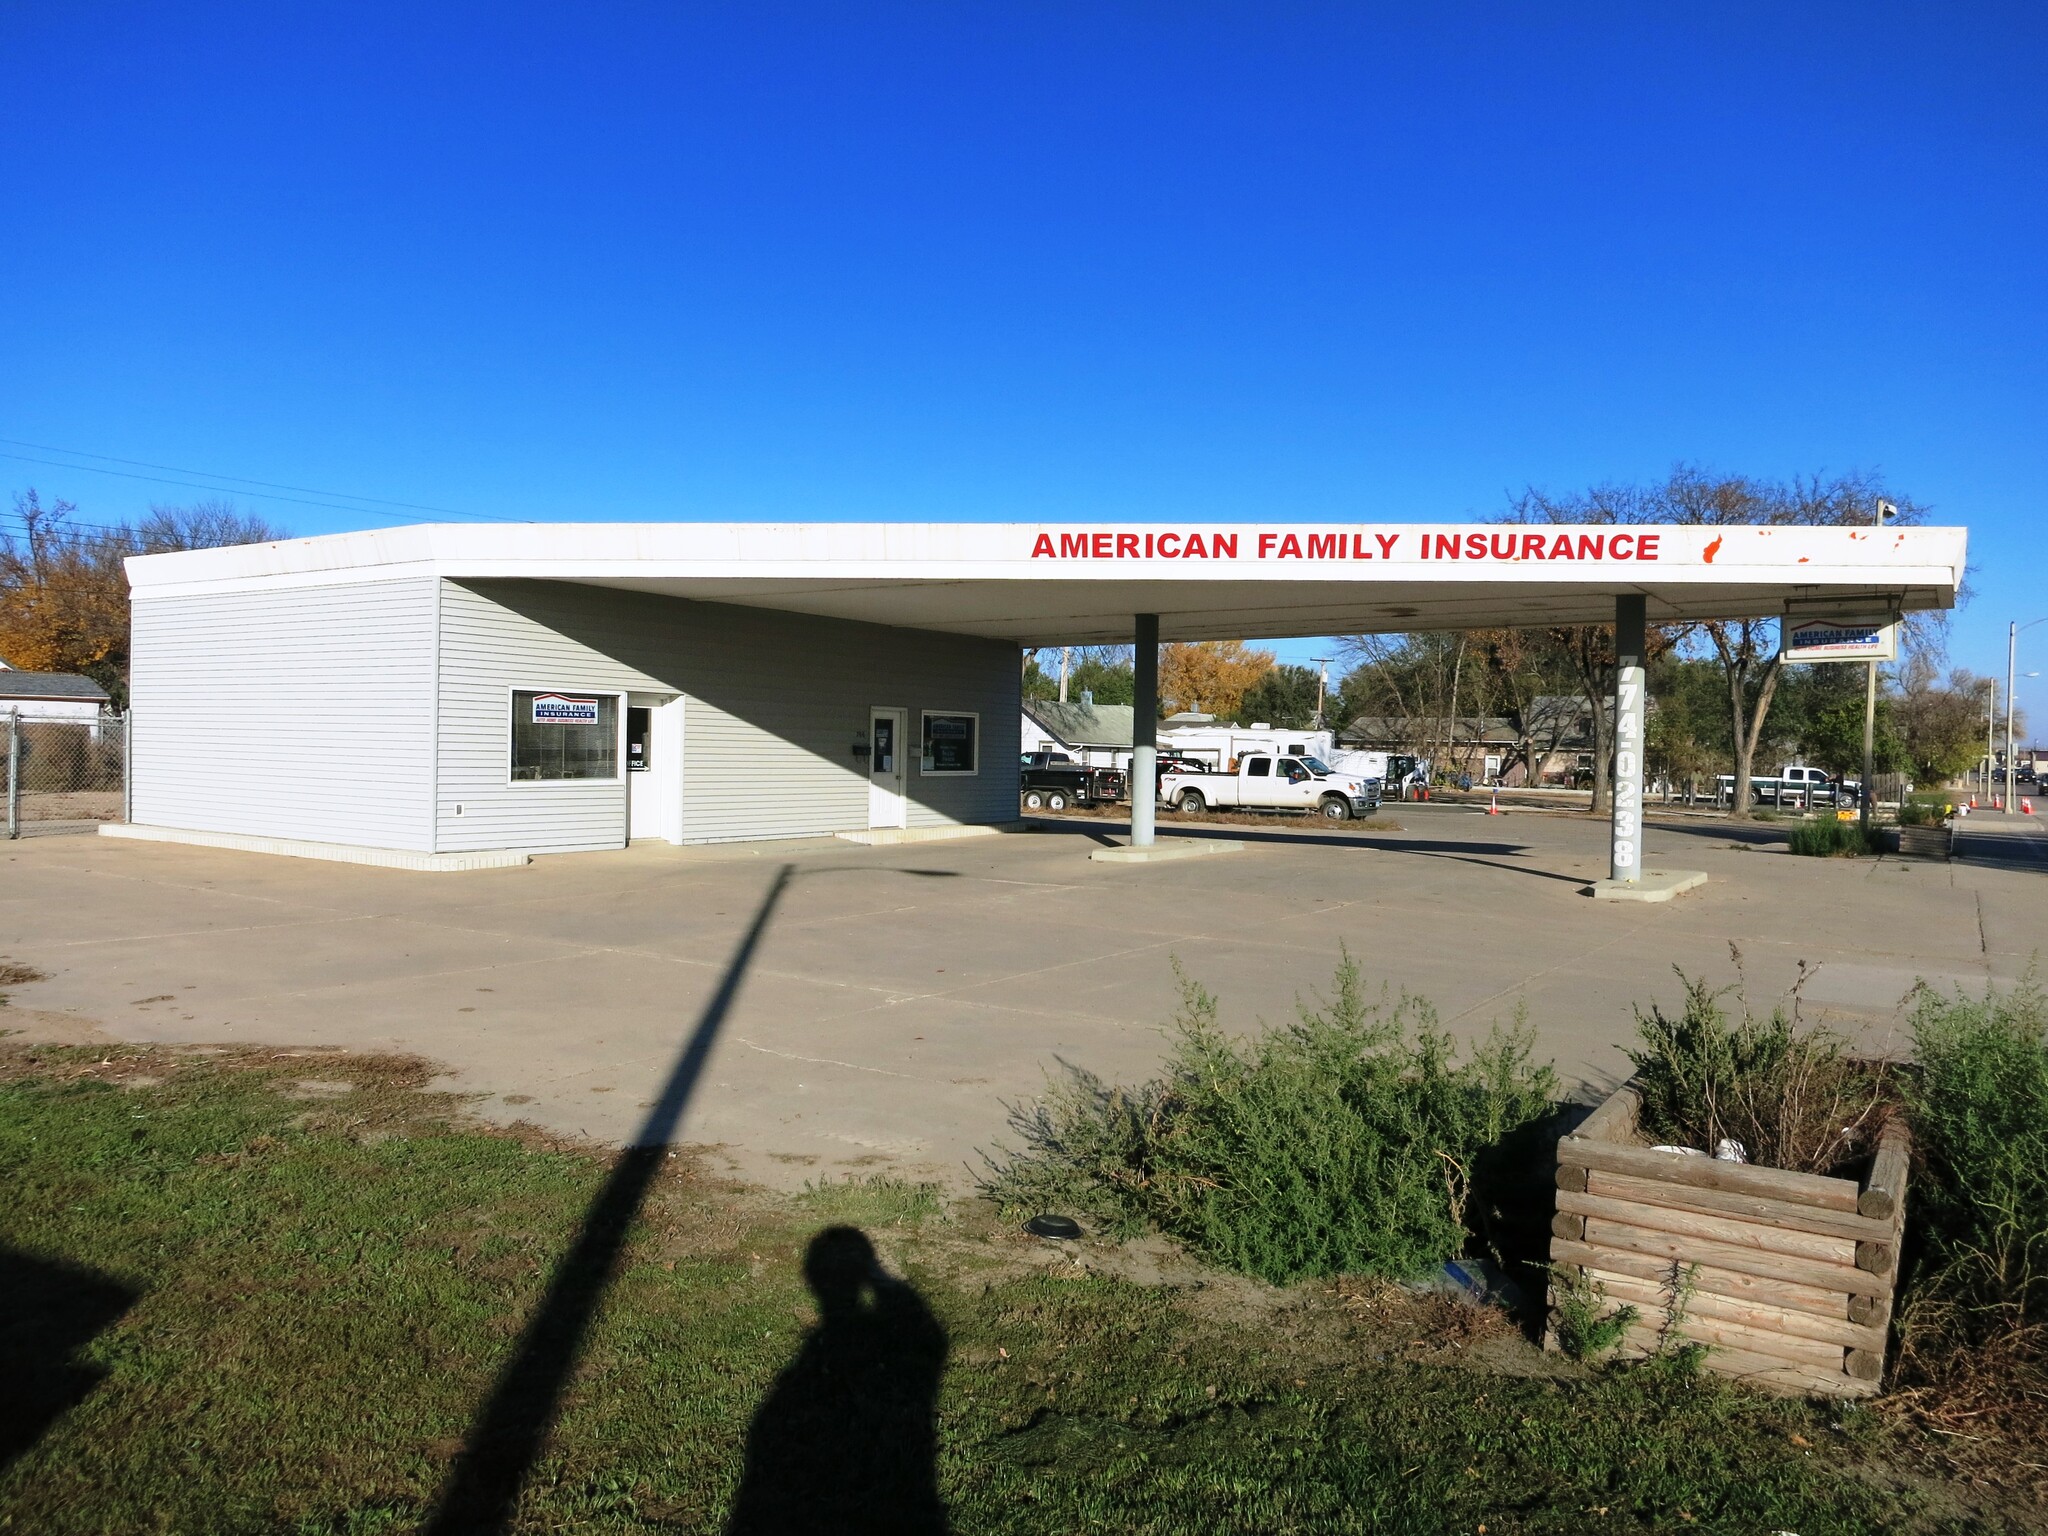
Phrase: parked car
(1265, 782)
(1052, 781)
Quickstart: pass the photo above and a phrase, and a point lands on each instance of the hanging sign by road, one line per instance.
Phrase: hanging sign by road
(1831, 638)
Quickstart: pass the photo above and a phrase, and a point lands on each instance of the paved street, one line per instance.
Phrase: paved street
(897, 996)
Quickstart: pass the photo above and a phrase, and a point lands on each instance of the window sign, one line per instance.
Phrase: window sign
(564, 736)
(561, 709)
(950, 743)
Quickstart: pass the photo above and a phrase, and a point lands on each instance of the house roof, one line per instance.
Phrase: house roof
(1405, 730)
(49, 685)
(1082, 725)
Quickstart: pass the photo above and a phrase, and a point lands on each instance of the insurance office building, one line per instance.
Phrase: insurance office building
(550, 688)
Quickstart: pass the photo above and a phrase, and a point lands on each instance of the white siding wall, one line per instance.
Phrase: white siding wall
(305, 713)
(774, 704)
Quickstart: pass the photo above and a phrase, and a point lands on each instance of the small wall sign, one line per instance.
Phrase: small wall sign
(561, 709)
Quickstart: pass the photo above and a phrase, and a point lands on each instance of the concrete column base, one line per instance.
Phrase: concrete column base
(1656, 885)
(881, 837)
(1156, 853)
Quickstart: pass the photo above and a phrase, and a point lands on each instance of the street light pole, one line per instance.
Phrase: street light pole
(1322, 687)
(2012, 647)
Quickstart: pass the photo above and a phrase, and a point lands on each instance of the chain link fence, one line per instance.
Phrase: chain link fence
(63, 774)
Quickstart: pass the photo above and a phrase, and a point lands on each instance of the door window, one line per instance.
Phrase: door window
(885, 744)
(1258, 768)
(639, 750)
(1293, 771)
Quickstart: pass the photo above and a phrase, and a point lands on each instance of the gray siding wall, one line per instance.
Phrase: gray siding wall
(774, 705)
(303, 713)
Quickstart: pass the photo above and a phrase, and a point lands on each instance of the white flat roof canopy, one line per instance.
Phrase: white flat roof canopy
(1074, 583)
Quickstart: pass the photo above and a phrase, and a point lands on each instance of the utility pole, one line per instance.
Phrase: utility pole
(1065, 651)
(2012, 648)
(1990, 713)
(1868, 793)
(1322, 688)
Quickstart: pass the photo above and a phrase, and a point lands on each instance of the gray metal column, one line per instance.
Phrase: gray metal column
(1145, 731)
(13, 774)
(1631, 683)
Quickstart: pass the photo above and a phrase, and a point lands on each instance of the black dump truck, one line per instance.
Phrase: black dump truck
(1052, 781)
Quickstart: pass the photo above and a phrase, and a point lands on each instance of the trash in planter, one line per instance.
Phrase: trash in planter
(1062, 1227)
(1470, 1280)
(1681, 1151)
(1729, 1150)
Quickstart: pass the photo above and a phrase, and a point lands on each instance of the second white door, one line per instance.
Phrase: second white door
(888, 805)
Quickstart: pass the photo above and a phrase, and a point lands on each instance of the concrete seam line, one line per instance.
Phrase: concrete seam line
(831, 1061)
(180, 885)
(201, 933)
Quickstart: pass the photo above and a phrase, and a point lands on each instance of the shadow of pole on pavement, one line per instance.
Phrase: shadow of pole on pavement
(506, 1437)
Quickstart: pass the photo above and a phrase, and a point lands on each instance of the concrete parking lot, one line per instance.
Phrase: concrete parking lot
(895, 997)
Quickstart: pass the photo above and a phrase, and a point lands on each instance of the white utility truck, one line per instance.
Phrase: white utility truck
(1219, 746)
(1270, 781)
(1794, 784)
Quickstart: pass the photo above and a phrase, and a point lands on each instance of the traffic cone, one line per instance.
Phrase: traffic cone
(2026, 806)
(1973, 802)
(1494, 809)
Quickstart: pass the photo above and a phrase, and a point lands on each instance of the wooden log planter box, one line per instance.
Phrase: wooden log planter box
(1791, 1274)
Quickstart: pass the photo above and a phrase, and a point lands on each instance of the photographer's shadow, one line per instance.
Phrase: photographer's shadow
(846, 1440)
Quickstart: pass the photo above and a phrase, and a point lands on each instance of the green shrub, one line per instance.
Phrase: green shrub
(1586, 1327)
(1351, 1141)
(1980, 1118)
(1829, 839)
(1793, 1098)
(1924, 811)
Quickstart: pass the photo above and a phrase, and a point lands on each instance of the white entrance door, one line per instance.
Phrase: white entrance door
(887, 804)
(654, 769)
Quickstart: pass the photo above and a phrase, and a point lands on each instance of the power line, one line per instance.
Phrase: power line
(231, 490)
(108, 458)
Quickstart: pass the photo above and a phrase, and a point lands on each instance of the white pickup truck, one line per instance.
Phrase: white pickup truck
(1794, 784)
(1267, 781)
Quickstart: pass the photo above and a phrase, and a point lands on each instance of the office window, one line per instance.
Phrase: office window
(564, 735)
(950, 744)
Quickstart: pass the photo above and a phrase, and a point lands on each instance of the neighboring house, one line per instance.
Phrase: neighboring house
(1096, 734)
(1549, 743)
(50, 695)
(1481, 745)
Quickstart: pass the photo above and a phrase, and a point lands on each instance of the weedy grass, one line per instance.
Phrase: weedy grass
(14, 974)
(1353, 1140)
(1828, 839)
(872, 1200)
(302, 1306)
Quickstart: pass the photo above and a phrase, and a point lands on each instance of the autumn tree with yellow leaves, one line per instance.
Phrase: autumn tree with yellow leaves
(1209, 676)
(64, 593)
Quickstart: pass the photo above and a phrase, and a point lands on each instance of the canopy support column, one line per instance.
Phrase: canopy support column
(1631, 684)
(1145, 730)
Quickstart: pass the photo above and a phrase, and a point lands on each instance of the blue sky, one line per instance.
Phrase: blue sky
(1031, 261)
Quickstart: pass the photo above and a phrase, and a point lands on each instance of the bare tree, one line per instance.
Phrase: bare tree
(202, 525)
(1747, 649)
